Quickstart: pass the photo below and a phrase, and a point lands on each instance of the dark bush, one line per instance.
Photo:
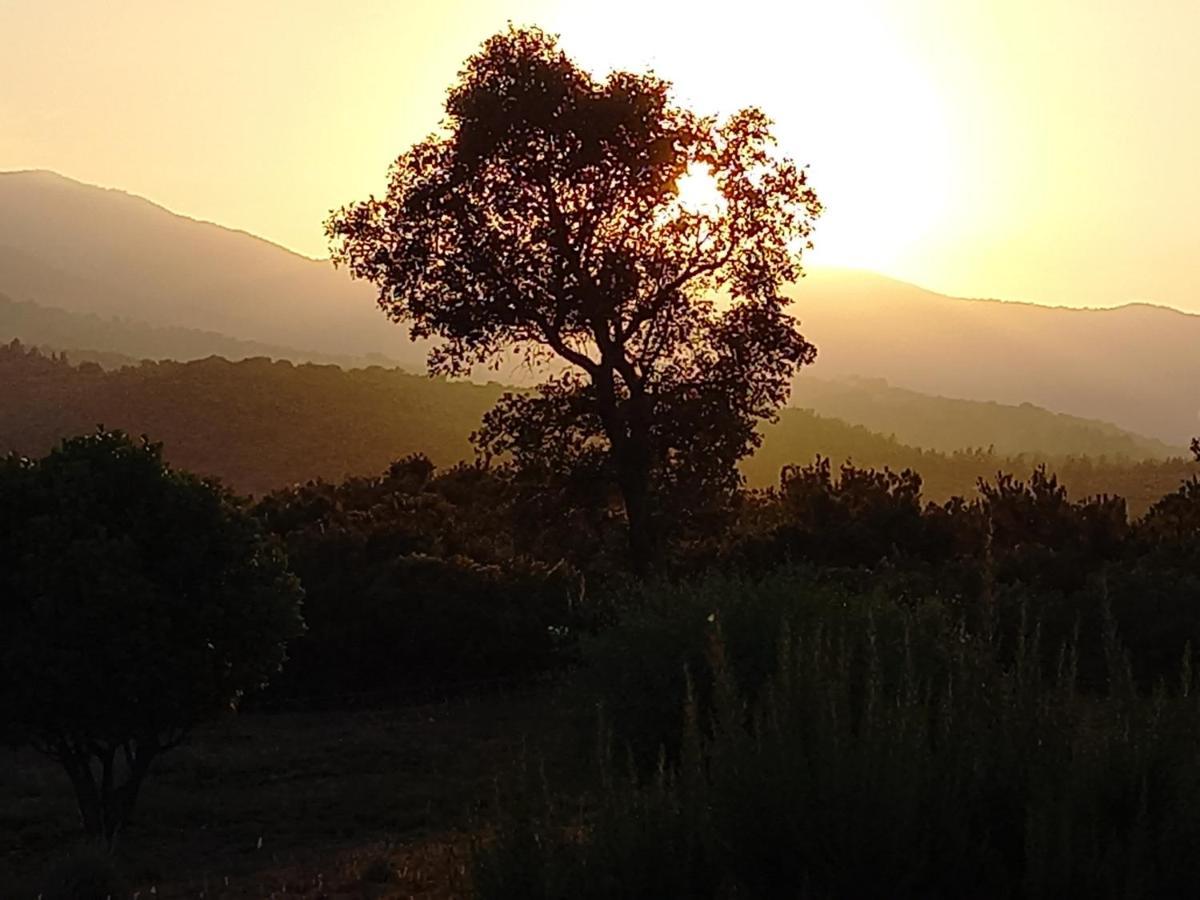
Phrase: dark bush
(867, 765)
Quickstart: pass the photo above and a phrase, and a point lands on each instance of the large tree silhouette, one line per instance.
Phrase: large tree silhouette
(545, 220)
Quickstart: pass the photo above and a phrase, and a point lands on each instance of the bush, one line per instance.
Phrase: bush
(416, 622)
(412, 584)
(866, 765)
(136, 602)
(637, 674)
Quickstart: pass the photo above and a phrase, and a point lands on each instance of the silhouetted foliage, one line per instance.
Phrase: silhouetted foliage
(137, 600)
(860, 519)
(414, 581)
(1037, 536)
(862, 749)
(546, 219)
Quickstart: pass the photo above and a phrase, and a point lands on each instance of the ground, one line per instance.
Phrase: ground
(370, 803)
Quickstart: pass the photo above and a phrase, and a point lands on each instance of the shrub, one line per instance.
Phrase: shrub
(867, 766)
(136, 601)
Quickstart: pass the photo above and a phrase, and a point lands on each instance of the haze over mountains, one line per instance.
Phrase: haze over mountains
(1137, 365)
(92, 250)
(73, 256)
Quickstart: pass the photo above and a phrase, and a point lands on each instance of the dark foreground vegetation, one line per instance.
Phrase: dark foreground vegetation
(849, 694)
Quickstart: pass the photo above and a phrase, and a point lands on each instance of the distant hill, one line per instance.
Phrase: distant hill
(96, 251)
(800, 435)
(945, 424)
(915, 419)
(256, 424)
(259, 425)
(113, 341)
(81, 248)
(1137, 366)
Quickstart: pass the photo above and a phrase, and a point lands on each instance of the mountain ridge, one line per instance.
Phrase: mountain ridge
(70, 245)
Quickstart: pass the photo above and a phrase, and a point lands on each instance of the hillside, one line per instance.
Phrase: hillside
(256, 424)
(113, 341)
(259, 424)
(81, 248)
(89, 250)
(800, 435)
(1137, 366)
(947, 424)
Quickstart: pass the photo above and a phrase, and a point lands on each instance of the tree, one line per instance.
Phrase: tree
(546, 220)
(135, 601)
(1196, 448)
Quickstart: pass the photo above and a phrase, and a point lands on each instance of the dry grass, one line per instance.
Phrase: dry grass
(374, 804)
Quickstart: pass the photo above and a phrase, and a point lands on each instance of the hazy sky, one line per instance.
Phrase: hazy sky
(1042, 150)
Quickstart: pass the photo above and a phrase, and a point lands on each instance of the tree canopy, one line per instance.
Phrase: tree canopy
(546, 220)
(136, 601)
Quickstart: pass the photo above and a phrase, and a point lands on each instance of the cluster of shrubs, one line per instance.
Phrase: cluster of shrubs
(868, 696)
(419, 579)
(414, 585)
(791, 736)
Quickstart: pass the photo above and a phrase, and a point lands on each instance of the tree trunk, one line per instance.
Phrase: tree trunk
(634, 485)
(120, 802)
(105, 807)
(627, 425)
(87, 795)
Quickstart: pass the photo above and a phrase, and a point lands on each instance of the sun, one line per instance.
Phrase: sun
(851, 96)
(698, 192)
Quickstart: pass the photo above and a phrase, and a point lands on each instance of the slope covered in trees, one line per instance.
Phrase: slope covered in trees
(259, 425)
(947, 424)
(256, 424)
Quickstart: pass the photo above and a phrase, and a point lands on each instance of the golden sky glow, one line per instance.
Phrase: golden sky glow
(1041, 150)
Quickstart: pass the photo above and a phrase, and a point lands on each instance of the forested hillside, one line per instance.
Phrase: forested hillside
(801, 435)
(947, 424)
(259, 424)
(1135, 366)
(256, 424)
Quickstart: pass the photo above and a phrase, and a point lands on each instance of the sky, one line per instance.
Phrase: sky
(1036, 150)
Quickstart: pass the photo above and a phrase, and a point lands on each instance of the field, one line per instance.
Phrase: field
(366, 803)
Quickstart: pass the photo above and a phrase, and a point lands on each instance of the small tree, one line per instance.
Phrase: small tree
(135, 601)
(546, 220)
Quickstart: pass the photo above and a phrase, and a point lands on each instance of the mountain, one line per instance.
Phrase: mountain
(90, 250)
(1136, 366)
(947, 424)
(112, 341)
(81, 248)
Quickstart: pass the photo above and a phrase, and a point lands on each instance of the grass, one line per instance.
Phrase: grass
(373, 803)
(893, 752)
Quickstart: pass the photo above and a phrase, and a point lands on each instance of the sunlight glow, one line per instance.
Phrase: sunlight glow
(846, 96)
(698, 192)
